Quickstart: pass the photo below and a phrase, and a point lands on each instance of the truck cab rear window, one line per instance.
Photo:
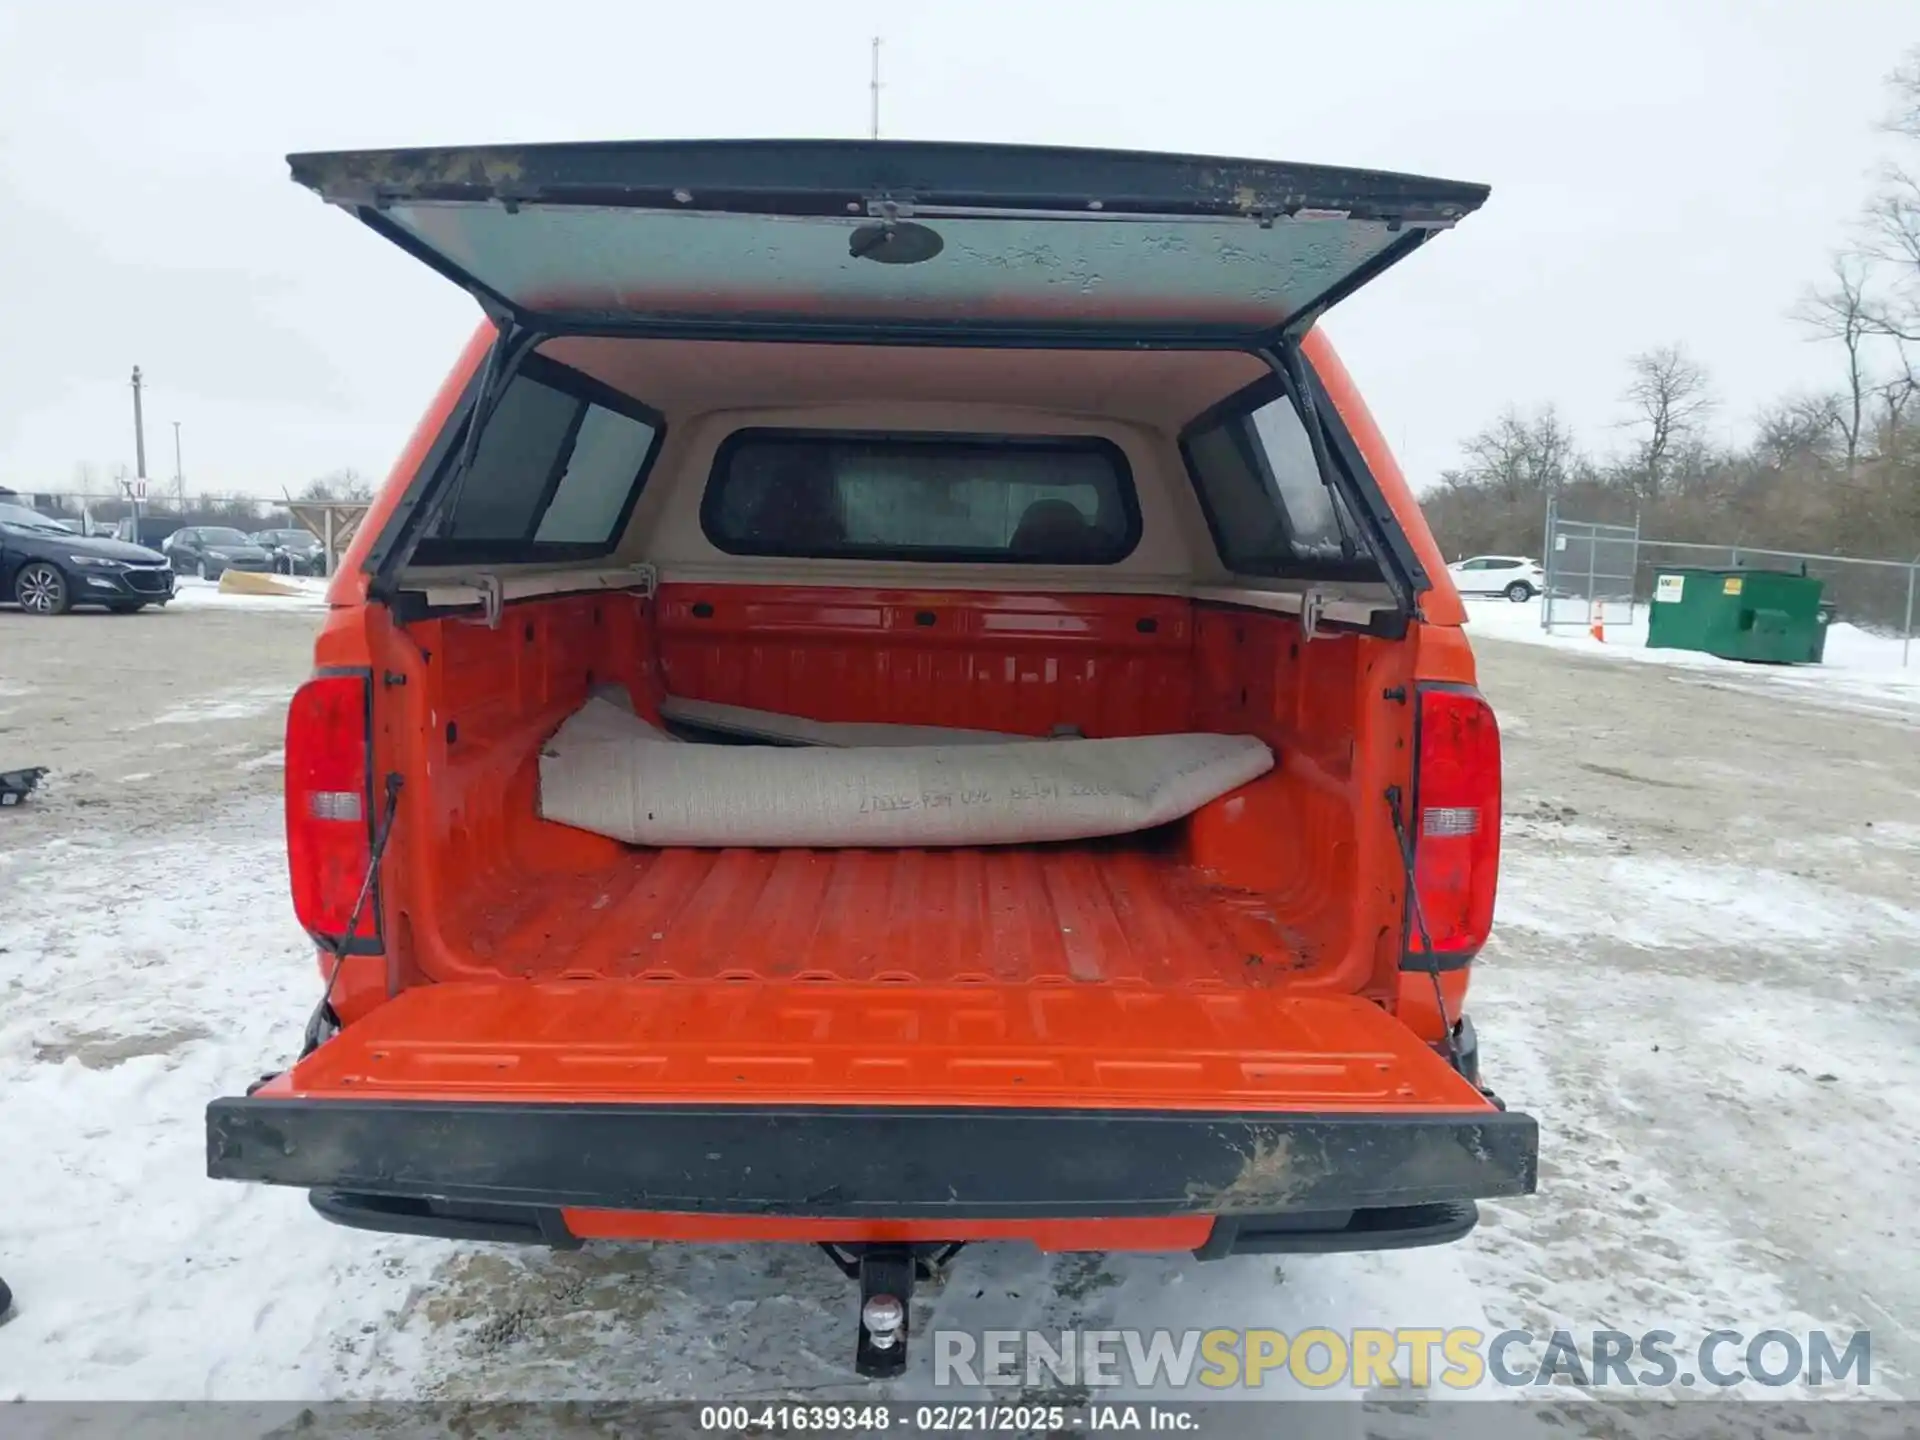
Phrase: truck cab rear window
(554, 476)
(996, 499)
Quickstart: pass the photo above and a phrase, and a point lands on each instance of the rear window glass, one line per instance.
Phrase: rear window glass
(554, 475)
(1011, 500)
(1270, 511)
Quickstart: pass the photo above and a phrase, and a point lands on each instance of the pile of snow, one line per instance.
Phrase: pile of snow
(1858, 663)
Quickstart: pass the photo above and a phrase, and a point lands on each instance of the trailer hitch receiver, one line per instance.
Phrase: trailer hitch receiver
(886, 1295)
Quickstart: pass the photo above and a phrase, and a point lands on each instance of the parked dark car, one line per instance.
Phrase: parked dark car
(46, 570)
(292, 552)
(210, 550)
(154, 530)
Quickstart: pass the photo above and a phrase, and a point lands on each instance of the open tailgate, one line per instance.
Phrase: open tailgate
(743, 237)
(979, 1101)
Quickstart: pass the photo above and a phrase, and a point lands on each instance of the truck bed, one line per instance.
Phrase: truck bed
(1126, 911)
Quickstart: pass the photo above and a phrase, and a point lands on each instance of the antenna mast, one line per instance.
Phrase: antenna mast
(874, 87)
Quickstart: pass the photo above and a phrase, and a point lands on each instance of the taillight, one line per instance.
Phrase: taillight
(1456, 823)
(329, 804)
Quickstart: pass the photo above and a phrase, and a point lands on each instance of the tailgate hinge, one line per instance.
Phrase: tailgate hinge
(493, 598)
(1313, 605)
(647, 578)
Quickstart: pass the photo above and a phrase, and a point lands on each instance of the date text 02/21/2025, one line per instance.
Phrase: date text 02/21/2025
(941, 1419)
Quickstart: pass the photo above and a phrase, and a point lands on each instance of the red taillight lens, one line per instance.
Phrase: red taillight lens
(1456, 824)
(329, 810)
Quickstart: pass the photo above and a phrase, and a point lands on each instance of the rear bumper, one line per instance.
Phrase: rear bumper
(1274, 1181)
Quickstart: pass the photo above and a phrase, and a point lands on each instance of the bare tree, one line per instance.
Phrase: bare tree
(1796, 429)
(1904, 117)
(1840, 311)
(1669, 392)
(347, 484)
(1517, 456)
(1894, 396)
(1893, 240)
(1892, 219)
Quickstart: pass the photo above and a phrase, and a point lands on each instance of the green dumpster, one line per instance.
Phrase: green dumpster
(1819, 651)
(1772, 616)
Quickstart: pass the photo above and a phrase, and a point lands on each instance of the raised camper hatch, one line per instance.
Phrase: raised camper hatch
(745, 235)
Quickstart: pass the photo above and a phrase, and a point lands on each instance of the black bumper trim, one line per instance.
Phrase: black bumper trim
(397, 1215)
(1317, 1232)
(1398, 1227)
(898, 1163)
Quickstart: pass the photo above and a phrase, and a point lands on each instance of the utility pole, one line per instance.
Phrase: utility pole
(179, 474)
(139, 455)
(874, 87)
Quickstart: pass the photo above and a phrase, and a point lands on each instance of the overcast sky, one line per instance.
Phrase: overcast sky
(1667, 171)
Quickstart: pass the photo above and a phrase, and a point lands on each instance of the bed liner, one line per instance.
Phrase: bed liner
(1119, 911)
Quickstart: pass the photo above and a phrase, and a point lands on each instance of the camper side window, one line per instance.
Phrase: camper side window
(555, 474)
(1271, 511)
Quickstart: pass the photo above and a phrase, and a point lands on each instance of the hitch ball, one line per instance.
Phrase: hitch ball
(884, 1318)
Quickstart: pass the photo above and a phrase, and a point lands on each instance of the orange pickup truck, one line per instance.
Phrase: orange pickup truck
(904, 443)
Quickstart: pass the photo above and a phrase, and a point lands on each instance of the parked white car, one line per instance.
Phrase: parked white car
(1514, 576)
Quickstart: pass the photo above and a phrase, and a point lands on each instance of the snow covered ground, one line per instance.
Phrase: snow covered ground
(1860, 671)
(1702, 985)
(138, 1278)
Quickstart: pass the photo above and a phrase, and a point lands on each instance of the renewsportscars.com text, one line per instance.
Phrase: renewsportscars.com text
(1461, 1358)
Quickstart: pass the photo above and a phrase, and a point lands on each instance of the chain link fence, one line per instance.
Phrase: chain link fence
(1591, 571)
(1608, 571)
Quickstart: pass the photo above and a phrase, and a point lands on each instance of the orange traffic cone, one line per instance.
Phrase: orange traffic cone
(1597, 621)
